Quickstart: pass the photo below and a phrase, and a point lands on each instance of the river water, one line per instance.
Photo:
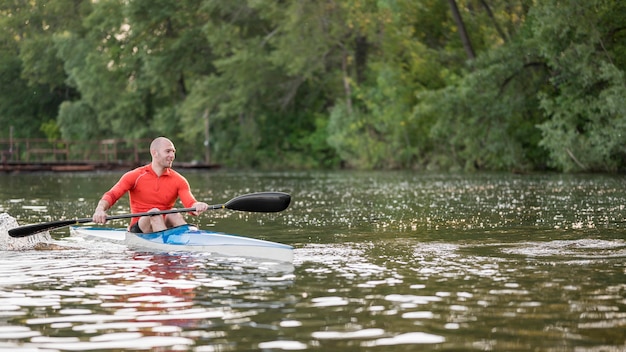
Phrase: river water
(383, 261)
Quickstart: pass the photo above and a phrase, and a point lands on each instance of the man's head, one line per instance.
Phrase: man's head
(163, 152)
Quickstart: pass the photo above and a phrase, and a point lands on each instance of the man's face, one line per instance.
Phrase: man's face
(165, 154)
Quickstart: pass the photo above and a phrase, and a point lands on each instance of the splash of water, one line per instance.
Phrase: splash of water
(8, 243)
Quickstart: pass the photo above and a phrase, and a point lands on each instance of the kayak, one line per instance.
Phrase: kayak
(188, 238)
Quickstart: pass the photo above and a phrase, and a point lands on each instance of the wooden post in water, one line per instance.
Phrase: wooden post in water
(11, 142)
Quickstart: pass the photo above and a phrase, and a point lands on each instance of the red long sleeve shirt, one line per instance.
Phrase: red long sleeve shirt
(146, 190)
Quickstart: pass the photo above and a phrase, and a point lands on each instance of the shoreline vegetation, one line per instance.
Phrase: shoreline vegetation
(427, 85)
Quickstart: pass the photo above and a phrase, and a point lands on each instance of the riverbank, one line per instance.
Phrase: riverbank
(82, 166)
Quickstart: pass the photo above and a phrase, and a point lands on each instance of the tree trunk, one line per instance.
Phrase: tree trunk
(467, 44)
(346, 82)
(495, 22)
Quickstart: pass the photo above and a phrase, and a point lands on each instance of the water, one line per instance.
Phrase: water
(384, 261)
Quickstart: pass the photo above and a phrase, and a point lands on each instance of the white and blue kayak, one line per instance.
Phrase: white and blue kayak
(184, 238)
(188, 238)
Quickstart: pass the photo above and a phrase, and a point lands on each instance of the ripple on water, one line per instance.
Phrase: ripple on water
(579, 248)
(411, 338)
(16, 332)
(349, 335)
(123, 341)
(283, 345)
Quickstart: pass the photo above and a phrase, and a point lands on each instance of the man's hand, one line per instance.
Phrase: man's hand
(200, 207)
(100, 216)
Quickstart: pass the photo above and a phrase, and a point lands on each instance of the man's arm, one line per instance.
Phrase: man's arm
(111, 196)
(188, 199)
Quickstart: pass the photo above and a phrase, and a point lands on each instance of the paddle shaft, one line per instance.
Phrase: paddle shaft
(150, 213)
(28, 230)
(138, 215)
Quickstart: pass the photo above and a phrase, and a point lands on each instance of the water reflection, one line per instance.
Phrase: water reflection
(129, 300)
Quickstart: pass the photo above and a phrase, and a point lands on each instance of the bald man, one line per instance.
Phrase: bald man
(153, 187)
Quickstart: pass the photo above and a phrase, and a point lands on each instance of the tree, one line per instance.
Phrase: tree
(33, 81)
(582, 45)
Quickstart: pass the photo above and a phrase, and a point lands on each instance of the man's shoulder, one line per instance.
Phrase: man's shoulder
(138, 171)
(175, 173)
(176, 176)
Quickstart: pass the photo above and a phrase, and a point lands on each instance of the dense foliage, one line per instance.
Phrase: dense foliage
(513, 85)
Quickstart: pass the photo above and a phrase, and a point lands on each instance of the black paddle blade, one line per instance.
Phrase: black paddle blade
(262, 202)
(29, 230)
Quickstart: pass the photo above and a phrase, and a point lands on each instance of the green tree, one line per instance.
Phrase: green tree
(271, 79)
(548, 97)
(131, 63)
(582, 44)
(32, 80)
(413, 49)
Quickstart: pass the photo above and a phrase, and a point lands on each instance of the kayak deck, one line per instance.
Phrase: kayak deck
(188, 238)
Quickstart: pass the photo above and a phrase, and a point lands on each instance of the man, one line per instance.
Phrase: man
(152, 187)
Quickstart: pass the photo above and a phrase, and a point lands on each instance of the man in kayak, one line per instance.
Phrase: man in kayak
(152, 187)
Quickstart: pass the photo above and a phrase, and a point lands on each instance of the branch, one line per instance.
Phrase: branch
(571, 155)
(511, 77)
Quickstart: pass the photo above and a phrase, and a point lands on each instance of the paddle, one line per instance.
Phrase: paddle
(263, 202)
